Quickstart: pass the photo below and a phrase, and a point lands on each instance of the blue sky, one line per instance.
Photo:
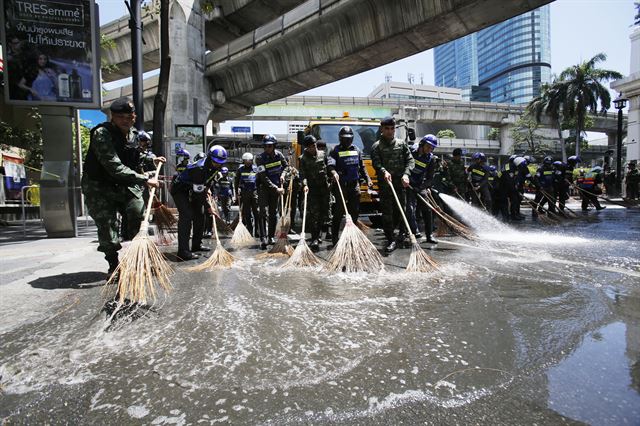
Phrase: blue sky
(579, 29)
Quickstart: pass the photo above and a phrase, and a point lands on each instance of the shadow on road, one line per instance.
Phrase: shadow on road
(77, 280)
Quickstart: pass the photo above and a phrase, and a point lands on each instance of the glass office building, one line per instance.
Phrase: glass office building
(509, 61)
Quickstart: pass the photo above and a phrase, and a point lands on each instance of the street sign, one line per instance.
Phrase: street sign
(241, 129)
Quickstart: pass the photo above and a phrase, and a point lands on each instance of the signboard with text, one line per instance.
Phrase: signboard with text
(52, 53)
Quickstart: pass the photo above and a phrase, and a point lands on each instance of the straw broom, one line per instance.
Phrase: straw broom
(419, 260)
(143, 268)
(447, 216)
(542, 215)
(163, 217)
(568, 214)
(222, 225)
(220, 258)
(609, 200)
(353, 252)
(454, 226)
(303, 256)
(282, 246)
(241, 235)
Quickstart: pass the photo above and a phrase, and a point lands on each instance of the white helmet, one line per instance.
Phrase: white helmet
(247, 156)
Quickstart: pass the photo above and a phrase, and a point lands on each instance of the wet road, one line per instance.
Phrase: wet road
(535, 325)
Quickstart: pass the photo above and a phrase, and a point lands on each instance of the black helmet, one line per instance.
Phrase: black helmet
(457, 151)
(309, 140)
(269, 140)
(388, 121)
(345, 132)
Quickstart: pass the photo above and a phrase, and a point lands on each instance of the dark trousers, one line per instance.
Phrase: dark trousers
(250, 216)
(550, 199)
(481, 197)
(416, 207)
(562, 192)
(590, 198)
(190, 211)
(268, 200)
(391, 215)
(317, 209)
(351, 192)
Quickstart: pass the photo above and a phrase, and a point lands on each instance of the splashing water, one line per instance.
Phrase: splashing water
(490, 228)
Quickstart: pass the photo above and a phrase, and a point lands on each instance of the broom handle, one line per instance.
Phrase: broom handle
(282, 199)
(599, 196)
(344, 203)
(152, 194)
(215, 229)
(304, 214)
(404, 217)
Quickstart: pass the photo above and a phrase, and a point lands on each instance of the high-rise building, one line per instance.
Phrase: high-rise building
(506, 62)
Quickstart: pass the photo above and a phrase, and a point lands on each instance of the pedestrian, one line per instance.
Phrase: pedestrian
(313, 175)
(189, 193)
(347, 168)
(110, 182)
(224, 192)
(609, 181)
(478, 178)
(458, 174)
(246, 186)
(421, 181)
(271, 164)
(543, 181)
(393, 162)
(632, 179)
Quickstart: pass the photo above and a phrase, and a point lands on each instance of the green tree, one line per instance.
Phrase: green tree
(494, 134)
(526, 137)
(30, 140)
(580, 88)
(550, 104)
(446, 134)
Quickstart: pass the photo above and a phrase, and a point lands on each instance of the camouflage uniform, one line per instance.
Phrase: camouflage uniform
(288, 173)
(111, 184)
(458, 176)
(313, 173)
(394, 157)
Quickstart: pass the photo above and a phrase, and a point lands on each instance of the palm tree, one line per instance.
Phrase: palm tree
(581, 88)
(550, 103)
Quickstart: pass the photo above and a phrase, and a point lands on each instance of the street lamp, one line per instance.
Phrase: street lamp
(620, 103)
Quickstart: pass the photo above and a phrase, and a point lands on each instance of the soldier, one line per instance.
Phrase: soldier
(458, 174)
(346, 166)
(543, 182)
(224, 192)
(271, 163)
(245, 183)
(479, 181)
(110, 181)
(289, 173)
(326, 226)
(393, 162)
(421, 180)
(313, 174)
(632, 179)
(189, 193)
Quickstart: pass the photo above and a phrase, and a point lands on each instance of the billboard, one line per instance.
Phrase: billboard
(194, 136)
(51, 54)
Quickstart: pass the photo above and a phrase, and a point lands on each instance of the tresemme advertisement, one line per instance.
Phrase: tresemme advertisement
(50, 53)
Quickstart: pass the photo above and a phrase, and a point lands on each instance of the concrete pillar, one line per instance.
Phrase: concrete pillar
(506, 141)
(633, 129)
(189, 100)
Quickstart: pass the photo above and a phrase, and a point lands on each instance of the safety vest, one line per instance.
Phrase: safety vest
(271, 165)
(247, 177)
(588, 181)
(347, 162)
(420, 168)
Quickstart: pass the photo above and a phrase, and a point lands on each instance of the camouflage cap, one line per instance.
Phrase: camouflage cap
(122, 106)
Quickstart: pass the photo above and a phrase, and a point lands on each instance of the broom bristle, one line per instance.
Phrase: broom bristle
(220, 258)
(164, 218)
(223, 227)
(420, 261)
(280, 248)
(443, 229)
(303, 257)
(141, 271)
(235, 222)
(354, 252)
(363, 227)
(241, 236)
(165, 238)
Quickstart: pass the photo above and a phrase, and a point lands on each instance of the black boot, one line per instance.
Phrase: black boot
(391, 246)
(315, 245)
(263, 243)
(431, 240)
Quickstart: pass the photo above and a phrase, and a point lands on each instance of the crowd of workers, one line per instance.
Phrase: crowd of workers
(119, 167)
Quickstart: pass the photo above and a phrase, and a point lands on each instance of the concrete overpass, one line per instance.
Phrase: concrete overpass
(231, 20)
(322, 41)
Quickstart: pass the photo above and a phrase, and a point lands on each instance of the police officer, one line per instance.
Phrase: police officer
(589, 182)
(560, 184)
(313, 174)
(110, 181)
(478, 177)
(509, 196)
(347, 168)
(421, 180)
(458, 174)
(224, 191)
(246, 185)
(393, 162)
(182, 160)
(189, 193)
(543, 182)
(271, 163)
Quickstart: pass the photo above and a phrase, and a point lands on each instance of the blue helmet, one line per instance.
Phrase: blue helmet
(518, 161)
(513, 157)
(558, 163)
(224, 170)
(430, 139)
(547, 160)
(143, 136)
(574, 159)
(181, 152)
(199, 156)
(218, 154)
(269, 140)
(492, 168)
(479, 156)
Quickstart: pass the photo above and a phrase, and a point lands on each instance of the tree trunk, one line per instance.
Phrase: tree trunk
(160, 100)
(562, 146)
(578, 130)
